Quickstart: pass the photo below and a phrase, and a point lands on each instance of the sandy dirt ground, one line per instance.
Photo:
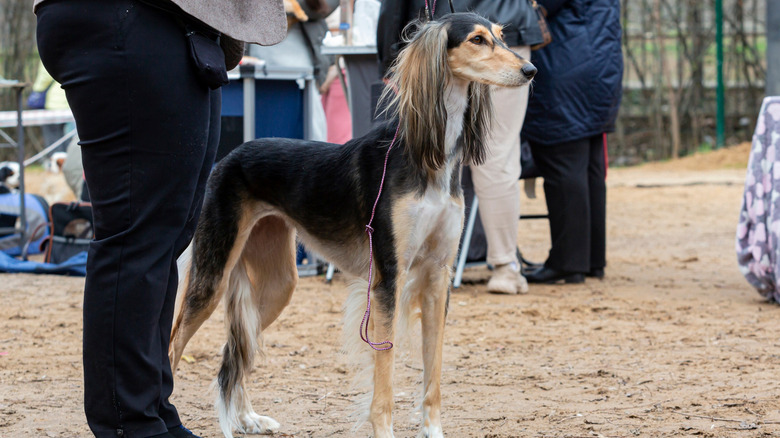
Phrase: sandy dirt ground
(672, 343)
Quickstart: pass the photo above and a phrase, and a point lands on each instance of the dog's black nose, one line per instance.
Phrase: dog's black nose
(528, 70)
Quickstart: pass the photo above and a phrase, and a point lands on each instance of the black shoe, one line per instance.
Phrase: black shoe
(528, 266)
(549, 276)
(181, 432)
(528, 270)
(596, 273)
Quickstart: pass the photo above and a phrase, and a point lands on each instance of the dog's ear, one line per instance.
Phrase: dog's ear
(476, 123)
(420, 74)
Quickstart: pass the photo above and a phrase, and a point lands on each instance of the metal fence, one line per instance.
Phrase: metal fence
(669, 104)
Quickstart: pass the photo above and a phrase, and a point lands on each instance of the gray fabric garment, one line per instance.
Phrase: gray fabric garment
(72, 168)
(291, 52)
(262, 22)
(303, 45)
(362, 75)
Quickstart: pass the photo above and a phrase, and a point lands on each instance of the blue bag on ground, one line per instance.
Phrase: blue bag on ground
(76, 265)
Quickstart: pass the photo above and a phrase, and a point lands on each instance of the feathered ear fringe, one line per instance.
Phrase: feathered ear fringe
(476, 123)
(420, 74)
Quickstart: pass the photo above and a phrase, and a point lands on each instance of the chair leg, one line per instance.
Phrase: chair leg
(329, 274)
(527, 265)
(464, 250)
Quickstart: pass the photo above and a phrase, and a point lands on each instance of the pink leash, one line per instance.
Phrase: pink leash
(370, 231)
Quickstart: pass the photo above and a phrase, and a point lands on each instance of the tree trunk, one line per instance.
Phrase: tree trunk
(697, 70)
(658, 81)
(773, 49)
(17, 44)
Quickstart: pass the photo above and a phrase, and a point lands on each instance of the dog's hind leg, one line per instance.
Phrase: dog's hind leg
(217, 245)
(434, 309)
(270, 258)
(260, 288)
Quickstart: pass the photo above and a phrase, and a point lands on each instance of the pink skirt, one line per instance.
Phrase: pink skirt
(337, 114)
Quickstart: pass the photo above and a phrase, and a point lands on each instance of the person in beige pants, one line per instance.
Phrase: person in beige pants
(497, 187)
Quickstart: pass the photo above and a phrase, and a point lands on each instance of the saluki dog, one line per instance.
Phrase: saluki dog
(266, 190)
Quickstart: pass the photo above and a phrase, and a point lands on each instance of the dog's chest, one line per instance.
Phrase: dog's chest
(428, 226)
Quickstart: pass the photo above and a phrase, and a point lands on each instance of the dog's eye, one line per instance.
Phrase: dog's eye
(478, 40)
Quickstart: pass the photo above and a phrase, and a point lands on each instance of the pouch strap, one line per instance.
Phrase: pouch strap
(190, 23)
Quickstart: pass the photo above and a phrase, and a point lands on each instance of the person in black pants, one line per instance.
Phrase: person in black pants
(575, 101)
(148, 137)
(149, 123)
(576, 196)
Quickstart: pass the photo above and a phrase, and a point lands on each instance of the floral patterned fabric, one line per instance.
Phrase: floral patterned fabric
(758, 231)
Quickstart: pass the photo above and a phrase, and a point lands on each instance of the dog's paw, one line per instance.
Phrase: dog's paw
(384, 433)
(254, 423)
(431, 432)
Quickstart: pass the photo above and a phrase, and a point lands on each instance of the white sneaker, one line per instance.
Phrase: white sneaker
(507, 279)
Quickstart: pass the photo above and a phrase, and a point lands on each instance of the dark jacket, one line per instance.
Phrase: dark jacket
(303, 45)
(518, 17)
(314, 31)
(577, 90)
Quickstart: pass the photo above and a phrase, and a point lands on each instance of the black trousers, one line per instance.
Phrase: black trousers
(576, 194)
(149, 131)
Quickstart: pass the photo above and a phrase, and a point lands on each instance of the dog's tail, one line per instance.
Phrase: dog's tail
(183, 265)
(239, 350)
(360, 357)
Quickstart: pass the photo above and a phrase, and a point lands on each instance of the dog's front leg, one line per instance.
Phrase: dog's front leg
(434, 309)
(382, 327)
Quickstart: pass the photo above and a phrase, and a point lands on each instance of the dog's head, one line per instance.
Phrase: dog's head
(476, 52)
(9, 174)
(464, 47)
(56, 161)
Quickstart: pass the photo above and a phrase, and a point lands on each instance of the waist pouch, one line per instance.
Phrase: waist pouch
(208, 57)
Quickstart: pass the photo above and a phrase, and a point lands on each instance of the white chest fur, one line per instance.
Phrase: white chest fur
(435, 219)
(434, 224)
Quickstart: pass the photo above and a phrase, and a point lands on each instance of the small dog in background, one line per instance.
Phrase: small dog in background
(55, 162)
(9, 176)
(294, 11)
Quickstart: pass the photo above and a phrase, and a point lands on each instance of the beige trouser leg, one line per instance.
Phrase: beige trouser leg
(496, 181)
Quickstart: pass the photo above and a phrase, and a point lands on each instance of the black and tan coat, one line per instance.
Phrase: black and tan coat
(267, 191)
